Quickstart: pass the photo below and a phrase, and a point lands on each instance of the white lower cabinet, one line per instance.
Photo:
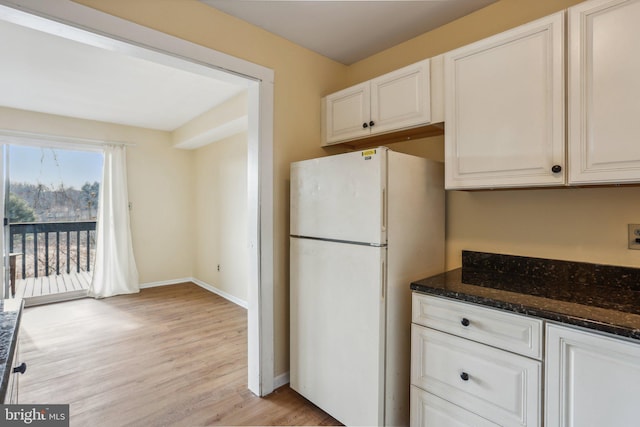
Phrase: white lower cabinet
(17, 368)
(463, 375)
(507, 331)
(497, 385)
(592, 380)
(481, 382)
(428, 410)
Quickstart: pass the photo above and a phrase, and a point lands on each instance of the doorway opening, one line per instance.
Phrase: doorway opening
(52, 208)
(96, 28)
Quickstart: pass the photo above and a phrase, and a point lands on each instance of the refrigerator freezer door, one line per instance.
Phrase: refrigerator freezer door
(340, 197)
(337, 328)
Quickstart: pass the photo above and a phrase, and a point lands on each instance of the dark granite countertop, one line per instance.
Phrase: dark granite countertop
(10, 314)
(600, 297)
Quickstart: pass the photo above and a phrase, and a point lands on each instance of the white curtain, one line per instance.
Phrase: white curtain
(115, 269)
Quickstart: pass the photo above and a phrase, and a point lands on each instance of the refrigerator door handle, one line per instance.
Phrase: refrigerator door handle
(383, 273)
(384, 209)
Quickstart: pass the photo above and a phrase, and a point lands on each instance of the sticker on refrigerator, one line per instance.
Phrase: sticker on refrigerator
(367, 154)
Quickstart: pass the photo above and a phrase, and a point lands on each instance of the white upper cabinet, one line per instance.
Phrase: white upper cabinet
(394, 101)
(400, 99)
(604, 92)
(347, 113)
(504, 109)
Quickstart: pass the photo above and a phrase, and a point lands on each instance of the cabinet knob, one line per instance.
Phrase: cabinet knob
(20, 369)
(364, 125)
(371, 123)
(465, 321)
(464, 376)
(556, 168)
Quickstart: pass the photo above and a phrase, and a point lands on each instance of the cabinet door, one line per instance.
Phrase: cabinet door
(505, 109)
(591, 380)
(401, 99)
(428, 410)
(604, 90)
(346, 113)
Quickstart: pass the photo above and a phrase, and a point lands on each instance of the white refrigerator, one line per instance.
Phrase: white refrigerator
(363, 226)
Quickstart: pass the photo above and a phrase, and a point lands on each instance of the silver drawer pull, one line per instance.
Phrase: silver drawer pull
(464, 376)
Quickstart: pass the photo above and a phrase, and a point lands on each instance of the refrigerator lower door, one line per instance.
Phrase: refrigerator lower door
(337, 328)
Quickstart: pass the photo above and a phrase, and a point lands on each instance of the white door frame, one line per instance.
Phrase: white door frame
(81, 23)
(4, 238)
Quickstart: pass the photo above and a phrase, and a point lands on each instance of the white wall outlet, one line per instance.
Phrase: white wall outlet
(634, 236)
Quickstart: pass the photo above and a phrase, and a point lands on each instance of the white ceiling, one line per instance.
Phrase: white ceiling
(348, 31)
(51, 74)
(58, 75)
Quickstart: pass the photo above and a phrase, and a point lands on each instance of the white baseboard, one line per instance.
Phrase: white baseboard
(47, 299)
(281, 380)
(166, 282)
(223, 294)
(204, 285)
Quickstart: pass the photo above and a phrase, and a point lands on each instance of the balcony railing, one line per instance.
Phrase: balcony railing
(53, 247)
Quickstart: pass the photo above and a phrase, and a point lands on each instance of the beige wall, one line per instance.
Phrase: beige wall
(221, 121)
(160, 178)
(220, 215)
(495, 18)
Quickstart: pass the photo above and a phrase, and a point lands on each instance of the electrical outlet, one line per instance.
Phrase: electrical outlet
(219, 264)
(634, 236)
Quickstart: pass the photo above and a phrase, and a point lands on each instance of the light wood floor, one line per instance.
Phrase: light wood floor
(169, 356)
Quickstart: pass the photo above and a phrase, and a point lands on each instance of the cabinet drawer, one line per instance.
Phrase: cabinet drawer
(428, 410)
(495, 384)
(512, 332)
